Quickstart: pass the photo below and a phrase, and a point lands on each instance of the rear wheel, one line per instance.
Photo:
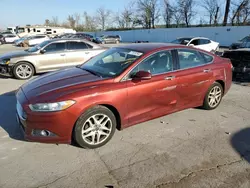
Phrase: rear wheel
(95, 127)
(213, 96)
(23, 71)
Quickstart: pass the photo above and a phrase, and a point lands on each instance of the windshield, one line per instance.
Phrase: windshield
(112, 62)
(183, 41)
(39, 46)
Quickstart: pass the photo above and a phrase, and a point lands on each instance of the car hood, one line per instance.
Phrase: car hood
(51, 86)
(15, 54)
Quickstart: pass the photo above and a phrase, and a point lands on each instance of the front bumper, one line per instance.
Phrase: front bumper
(58, 124)
(5, 69)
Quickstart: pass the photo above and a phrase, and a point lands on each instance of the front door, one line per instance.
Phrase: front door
(193, 77)
(148, 99)
(53, 57)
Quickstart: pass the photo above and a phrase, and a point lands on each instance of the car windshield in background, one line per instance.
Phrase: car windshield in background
(39, 46)
(183, 41)
(112, 62)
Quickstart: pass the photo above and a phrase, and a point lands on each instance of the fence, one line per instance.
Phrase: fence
(224, 35)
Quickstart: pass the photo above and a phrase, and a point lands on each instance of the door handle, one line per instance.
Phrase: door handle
(86, 52)
(207, 70)
(170, 78)
(62, 54)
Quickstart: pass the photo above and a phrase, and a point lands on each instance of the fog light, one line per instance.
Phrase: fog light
(43, 133)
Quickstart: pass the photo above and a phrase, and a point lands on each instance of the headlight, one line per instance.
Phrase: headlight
(51, 107)
(5, 61)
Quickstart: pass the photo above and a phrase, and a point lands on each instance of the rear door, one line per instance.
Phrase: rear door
(53, 58)
(193, 76)
(77, 53)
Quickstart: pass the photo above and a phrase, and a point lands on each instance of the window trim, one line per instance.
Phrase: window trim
(192, 66)
(54, 43)
(70, 50)
(125, 77)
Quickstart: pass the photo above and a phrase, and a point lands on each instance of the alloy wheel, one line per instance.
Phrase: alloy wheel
(96, 129)
(24, 71)
(214, 96)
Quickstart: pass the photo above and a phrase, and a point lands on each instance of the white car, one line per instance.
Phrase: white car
(10, 38)
(36, 39)
(199, 42)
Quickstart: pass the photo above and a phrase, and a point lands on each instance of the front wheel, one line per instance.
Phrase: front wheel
(213, 96)
(95, 127)
(23, 71)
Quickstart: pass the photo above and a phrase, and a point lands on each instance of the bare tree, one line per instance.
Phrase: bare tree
(168, 13)
(102, 17)
(126, 17)
(240, 9)
(148, 12)
(54, 21)
(212, 8)
(47, 22)
(77, 18)
(71, 21)
(187, 10)
(89, 22)
(177, 15)
(227, 8)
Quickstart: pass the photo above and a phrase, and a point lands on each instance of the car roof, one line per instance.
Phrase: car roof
(193, 38)
(147, 47)
(77, 40)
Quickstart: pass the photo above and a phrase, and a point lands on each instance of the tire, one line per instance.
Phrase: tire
(25, 65)
(213, 96)
(93, 129)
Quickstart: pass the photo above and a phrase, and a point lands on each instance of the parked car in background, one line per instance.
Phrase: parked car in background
(198, 42)
(34, 40)
(6, 33)
(87, 103)
(1, 39)
(82, 36)
(109, 39)
(9, 38)
(19, 41)
(241, 62)
(240, 43)
(48, 56)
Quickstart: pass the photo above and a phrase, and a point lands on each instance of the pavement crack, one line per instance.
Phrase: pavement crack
(193, 173)
(57, 179)
(108, 168)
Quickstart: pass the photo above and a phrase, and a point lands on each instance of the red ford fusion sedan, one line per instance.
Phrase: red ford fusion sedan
(120, 87)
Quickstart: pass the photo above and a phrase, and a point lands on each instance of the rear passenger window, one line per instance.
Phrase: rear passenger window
(208, 58)
(189, 58)
(204, 41)
(77, 46)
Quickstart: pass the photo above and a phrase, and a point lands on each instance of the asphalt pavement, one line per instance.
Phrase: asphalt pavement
(190, 149)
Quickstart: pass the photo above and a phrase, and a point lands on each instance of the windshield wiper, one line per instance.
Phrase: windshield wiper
(92, 72)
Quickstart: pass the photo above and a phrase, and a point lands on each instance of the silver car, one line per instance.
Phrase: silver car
(48, 56)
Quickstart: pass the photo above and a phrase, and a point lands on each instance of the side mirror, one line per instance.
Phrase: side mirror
(192, 45)
(42, 51)
(142, 75)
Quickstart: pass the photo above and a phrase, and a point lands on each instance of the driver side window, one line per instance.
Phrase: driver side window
(195, 42)
(158, 63)
(55, 47)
